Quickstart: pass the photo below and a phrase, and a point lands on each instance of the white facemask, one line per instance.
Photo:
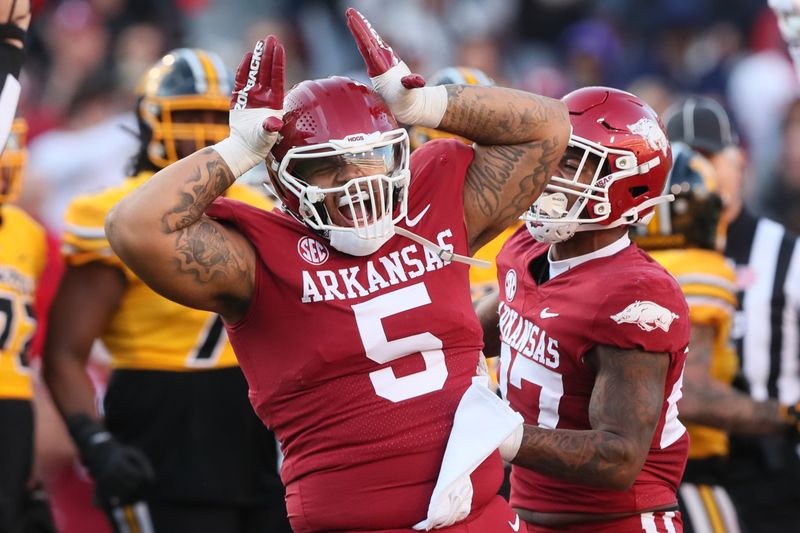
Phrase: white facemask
(346, 241)
(548, 229)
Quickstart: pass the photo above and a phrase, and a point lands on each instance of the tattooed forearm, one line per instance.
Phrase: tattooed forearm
(210, 178)
(624, 410)
(493, 115)
(589, 457)
(203, 251)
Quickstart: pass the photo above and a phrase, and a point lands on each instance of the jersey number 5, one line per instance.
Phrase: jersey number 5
(369, 318)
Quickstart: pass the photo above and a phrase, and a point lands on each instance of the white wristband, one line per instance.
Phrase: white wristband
(237, 155)
(510, 447)
(423, 107)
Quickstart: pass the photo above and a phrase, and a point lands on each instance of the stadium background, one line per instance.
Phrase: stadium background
(85, 58)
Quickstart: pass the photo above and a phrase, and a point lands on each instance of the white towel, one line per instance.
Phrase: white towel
(481, 423)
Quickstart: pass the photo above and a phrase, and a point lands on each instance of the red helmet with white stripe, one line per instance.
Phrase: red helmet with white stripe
(336, 122)
(629, 144)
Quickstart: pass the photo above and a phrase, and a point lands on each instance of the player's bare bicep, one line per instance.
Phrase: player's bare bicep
(209, 252)
(502, 182)
(622, 375)
(207, 265)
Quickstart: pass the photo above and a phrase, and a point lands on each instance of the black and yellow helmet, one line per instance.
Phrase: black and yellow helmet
(692, 220)
(12, 161)
(418, 135)
(172, 94)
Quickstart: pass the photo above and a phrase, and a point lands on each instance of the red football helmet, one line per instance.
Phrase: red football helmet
(338, 121)
(635, 157)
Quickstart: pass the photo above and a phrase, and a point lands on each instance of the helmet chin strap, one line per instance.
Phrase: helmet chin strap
(444, 255)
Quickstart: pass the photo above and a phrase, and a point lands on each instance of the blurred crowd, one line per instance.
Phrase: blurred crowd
(86, 58)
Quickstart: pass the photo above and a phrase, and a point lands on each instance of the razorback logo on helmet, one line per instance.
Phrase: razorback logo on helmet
(312, 251)
(511, 284)
(652, 133)
(255, 63)
(647, 315)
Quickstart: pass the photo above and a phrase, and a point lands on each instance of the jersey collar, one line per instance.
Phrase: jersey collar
(559, 267)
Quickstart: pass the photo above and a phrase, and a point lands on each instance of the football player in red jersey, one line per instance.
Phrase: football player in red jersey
(592, 334)
(349, 309)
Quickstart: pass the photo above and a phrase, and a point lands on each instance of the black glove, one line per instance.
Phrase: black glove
(791, 417)
(121, 473)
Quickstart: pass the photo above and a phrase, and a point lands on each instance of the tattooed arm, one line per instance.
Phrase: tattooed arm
(623, 412)
(713, 403)
(519, 136)
(519, 139)
(160, 232)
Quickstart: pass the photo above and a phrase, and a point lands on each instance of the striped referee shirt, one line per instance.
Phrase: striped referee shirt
(767, 329)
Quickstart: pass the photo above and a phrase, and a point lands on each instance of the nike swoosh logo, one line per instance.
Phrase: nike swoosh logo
(515, 524)
(547, 314)
(411, 222)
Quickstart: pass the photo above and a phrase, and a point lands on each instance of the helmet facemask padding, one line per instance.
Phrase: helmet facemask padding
(592, 207)
(374, 203)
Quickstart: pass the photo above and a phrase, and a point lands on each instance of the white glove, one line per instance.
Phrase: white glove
(256, 107)
(424, 106)
(405, 93)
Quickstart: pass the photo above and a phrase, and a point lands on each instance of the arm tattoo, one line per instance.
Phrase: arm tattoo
(496, 189)
(205, 253)
(623, 412)
(205, 185)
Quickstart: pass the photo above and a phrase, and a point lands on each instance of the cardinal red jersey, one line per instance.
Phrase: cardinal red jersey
(358, 363)
(626, 300)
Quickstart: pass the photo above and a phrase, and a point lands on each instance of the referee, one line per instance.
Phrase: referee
(15, 16)
(764, 472)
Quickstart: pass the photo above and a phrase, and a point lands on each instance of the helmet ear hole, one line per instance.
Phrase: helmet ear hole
(638, 191)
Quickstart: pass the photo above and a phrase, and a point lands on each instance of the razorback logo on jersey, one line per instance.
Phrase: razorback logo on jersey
(647, 315)
(652, 133)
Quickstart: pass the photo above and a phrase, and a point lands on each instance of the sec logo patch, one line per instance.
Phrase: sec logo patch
(312, 251)
(511, 284)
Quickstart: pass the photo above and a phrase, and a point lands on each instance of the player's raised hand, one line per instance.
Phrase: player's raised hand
(256, 106)
(405, 93)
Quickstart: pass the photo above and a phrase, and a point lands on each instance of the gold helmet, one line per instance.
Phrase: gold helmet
(693, 219)
(12, 161)
(173, 96)
(418, 135)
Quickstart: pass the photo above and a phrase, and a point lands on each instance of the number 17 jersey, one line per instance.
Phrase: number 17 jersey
(625, 300)
(358, 363)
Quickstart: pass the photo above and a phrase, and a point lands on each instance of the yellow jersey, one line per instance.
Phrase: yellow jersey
(148, 331)
(23, 254)
(483, 280)
(709, 283)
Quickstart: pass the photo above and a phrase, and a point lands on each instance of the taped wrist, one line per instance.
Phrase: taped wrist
(237, 155)
(420, 107)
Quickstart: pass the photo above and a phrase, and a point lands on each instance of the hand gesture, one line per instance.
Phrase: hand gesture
(122, 473)
(15, 17)
(405, 93)
(256, 106)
